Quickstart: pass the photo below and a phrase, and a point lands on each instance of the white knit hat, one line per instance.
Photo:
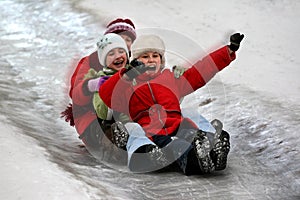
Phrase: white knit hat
(108, 42)
(146, 43)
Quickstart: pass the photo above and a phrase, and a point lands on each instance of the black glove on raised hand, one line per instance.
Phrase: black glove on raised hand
(235, 41)
(135, 68)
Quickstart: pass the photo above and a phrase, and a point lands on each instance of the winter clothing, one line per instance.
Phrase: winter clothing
(148, 43)
(122, 26)
(88, 126)
(82, 109)
(97, 140)
(143, 154)
(137, 139)
(105, 45)
(154, 103)
(135, 68)
(108, 42)
(103, 112)
(221, 146)
(92, 131)
(201, 122)
(92, 61)
(235, 41)
(94, 84)
(178, 71)
(96, 80)
(68, 114)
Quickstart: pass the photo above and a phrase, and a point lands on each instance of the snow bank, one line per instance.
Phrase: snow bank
(26, 173)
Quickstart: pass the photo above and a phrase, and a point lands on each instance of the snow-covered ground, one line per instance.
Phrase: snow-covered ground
(267, 63)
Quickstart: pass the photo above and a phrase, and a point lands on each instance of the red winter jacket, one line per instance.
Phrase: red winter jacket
(154, 103)
(83, 110)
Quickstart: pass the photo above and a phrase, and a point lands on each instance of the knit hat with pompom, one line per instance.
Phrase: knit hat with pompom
(119, 25)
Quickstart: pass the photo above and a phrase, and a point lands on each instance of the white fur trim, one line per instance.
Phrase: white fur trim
(146, 43)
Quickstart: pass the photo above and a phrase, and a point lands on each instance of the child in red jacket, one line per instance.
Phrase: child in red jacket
(150, 96)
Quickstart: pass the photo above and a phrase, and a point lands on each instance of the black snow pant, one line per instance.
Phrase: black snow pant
(97, 139)
(180, 148)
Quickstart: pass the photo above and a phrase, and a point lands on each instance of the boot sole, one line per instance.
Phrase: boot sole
(221, 150)
(202, 148)
(120, 135)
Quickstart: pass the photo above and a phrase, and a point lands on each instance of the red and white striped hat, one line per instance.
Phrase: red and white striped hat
(122, 26)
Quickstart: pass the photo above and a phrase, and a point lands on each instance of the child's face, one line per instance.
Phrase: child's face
(127, 39)
(116, 59)
(151, 59)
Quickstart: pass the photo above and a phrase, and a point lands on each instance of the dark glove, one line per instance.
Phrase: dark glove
(235, 41)
(135, 68)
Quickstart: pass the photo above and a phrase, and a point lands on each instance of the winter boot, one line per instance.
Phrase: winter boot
(188, 163)
(120, 135)
(221, 146)
(148, 158)
(202, 149)
(156, 155)
(180, 153)
(218, 125)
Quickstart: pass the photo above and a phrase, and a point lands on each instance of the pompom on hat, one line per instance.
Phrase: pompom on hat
(119, 25)
(146, 43)
(107, 43)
